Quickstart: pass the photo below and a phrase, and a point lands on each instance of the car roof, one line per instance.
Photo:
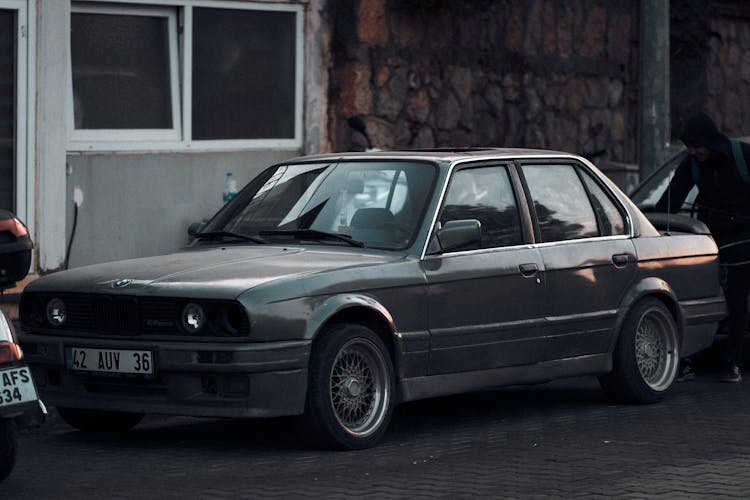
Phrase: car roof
(439, 154)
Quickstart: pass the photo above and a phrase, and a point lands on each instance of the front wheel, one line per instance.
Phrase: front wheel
(350, 390)
(8, 447)
(646, 358)
(99, 421)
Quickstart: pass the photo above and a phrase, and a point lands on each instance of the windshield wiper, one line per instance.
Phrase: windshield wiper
(228, 234)
(313, 234)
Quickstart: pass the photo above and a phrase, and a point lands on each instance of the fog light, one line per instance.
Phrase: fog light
(193, 318)
(233, 387)
(56, 314)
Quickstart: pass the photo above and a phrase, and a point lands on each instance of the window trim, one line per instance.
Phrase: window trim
(179, 139)
(92, 136)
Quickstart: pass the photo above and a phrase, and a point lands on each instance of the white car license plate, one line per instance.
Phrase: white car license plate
(16, 386)
(111, 360)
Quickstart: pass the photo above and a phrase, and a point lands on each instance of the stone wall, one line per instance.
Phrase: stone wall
(437, 73)
(533, 73)
(728, 69)
(710, 63)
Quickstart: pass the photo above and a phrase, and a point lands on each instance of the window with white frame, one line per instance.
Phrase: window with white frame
(243, 74)
(198, 74)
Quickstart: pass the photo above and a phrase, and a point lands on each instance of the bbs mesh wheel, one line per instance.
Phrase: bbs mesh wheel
(646, 357)
(350, 392)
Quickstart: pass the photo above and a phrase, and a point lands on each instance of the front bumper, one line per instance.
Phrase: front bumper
(203, 379)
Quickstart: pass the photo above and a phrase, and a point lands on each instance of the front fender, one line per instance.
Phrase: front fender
(340, 303)
(651, 286)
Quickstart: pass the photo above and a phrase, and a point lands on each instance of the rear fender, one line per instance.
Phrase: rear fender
(649, 287)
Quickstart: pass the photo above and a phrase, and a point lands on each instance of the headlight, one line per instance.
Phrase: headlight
(193, 318)
(56, 314)
(231, 318)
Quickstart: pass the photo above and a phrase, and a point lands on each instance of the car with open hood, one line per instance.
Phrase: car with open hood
(334, 287)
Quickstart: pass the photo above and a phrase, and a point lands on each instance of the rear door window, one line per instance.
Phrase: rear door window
(561, 203)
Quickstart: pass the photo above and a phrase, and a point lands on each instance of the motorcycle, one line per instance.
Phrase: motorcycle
(19, 401)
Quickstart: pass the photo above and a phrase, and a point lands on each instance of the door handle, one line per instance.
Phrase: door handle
(528, 270)
(620, 260)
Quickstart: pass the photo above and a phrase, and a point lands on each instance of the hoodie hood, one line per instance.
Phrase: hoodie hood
(700, 129)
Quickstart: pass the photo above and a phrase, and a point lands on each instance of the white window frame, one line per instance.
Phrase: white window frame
(181, 50)
(94, 136)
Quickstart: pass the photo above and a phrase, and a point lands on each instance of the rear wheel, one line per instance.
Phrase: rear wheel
(350, 391)
(8, 447)
(646, 358)
(100, 421)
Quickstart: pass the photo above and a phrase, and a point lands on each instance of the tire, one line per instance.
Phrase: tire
(100, 421)
(646, 357)
(8, 447)
(350, 389)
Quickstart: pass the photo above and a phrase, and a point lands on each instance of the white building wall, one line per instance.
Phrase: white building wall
(139, 203)
(51, 133)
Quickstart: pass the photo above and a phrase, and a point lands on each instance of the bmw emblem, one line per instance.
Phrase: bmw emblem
(122, 283)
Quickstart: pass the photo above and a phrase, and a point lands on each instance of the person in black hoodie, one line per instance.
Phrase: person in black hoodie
(719, 168)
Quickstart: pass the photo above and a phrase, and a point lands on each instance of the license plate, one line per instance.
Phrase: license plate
(111, 360)
(16, 386)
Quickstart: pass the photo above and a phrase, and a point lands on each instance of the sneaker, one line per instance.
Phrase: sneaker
(732, 374)
(685, 372)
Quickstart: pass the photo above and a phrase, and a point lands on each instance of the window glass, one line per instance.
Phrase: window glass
(243, 74)
(611, 221)
(120, 66)
(485, 194)
(377, 203)
(562, 206)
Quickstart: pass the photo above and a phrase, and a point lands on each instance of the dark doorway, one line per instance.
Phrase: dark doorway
(7, 109)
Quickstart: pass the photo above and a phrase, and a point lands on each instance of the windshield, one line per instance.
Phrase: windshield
(379, 204)
(648, 194)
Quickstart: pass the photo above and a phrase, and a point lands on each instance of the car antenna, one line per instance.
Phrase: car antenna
(669, 202)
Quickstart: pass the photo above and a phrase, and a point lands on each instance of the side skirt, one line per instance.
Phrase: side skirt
(456, 383)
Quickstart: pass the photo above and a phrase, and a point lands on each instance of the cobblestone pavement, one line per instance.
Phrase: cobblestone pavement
(559, 440)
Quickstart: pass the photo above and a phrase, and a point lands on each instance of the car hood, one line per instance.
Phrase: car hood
(211, 272)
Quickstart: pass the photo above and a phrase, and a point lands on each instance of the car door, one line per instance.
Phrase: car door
(589, 258)
(486, 303)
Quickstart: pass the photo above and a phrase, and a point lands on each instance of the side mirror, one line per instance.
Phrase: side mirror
(195, 228)
(456, 235)
(15, 250)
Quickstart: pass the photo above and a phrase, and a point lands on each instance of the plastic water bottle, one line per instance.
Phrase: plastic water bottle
(230, 189)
